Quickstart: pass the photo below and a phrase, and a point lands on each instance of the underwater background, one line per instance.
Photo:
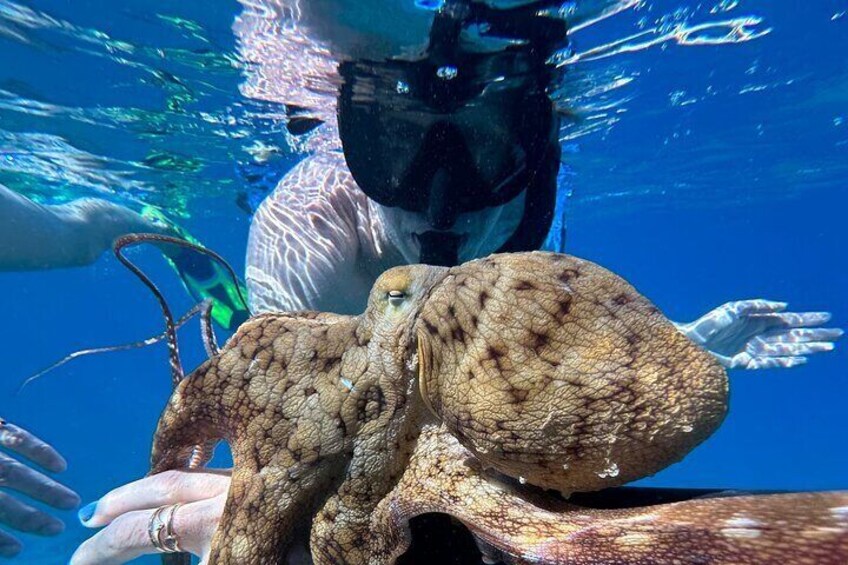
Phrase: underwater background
(709, 166)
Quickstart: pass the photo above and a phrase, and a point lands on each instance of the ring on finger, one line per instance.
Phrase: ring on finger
(169, 543)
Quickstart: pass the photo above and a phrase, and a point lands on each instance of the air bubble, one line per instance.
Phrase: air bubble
(522, 480)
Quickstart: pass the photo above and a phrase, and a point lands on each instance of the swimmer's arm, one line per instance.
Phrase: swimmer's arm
(303, 260)
(34, 236)
(304, 248)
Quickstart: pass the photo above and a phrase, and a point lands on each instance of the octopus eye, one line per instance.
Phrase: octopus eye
(396, 297)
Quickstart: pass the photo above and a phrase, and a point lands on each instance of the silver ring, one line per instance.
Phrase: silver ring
(169, 543)
(154, 528)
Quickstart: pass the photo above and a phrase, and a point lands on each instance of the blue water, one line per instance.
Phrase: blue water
(723, 177)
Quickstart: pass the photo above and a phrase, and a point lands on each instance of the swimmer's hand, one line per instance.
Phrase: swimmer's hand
(126, 512)
(16, 476)
(760, 334)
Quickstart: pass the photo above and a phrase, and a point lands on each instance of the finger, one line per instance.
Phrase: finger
(126, 538)
(802, 335)
(9, 546)
(756, 306)
(795, 319)
(165, 488)
(789, 349)
(756, 363)
(24, 443)
(24, 518)
(17, 476)
(706, 327)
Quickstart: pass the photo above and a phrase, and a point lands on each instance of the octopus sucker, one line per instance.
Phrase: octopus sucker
(479, 404)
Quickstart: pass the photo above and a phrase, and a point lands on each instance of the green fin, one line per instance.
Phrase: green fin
(203, 277)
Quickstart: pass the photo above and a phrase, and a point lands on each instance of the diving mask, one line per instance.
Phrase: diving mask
(459, 130)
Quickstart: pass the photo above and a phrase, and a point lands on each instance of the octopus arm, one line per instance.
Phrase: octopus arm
(518, 525)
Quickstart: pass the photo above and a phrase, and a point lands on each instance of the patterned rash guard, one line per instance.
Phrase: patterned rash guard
(313, 242)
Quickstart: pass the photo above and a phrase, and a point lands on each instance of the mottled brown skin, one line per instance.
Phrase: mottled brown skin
(540, 367)
(556, 370)
(518, 525)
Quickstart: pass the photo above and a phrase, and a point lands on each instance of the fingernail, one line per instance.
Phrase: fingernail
(86, 512)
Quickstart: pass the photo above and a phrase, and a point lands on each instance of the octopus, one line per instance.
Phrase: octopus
(494, 392)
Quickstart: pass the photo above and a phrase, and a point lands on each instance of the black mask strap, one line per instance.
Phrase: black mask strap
(539, 206)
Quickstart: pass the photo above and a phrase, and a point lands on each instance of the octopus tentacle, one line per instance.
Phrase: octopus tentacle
(186, 437)
(342, 530)
(264, 514)
(202, 308)
(177, 371)
(523, 526)
(187, 422)
(207, 330)
(236, 395)
(202, 454)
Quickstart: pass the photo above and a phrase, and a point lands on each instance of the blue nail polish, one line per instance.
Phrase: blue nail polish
(86, 512)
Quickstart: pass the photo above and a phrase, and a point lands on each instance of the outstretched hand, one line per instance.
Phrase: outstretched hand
(16, 476)
(126, 512)
(760, 334)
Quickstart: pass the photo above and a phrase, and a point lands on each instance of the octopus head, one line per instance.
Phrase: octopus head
(556, 372)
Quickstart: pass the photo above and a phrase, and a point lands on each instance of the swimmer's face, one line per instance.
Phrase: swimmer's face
(479, 233)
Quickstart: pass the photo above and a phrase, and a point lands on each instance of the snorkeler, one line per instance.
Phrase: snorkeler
(16, 476)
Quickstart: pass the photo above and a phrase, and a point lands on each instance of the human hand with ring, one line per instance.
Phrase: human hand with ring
(16, 476)
(174, 511)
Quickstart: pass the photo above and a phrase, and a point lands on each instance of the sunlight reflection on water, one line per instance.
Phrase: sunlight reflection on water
(200, 108)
